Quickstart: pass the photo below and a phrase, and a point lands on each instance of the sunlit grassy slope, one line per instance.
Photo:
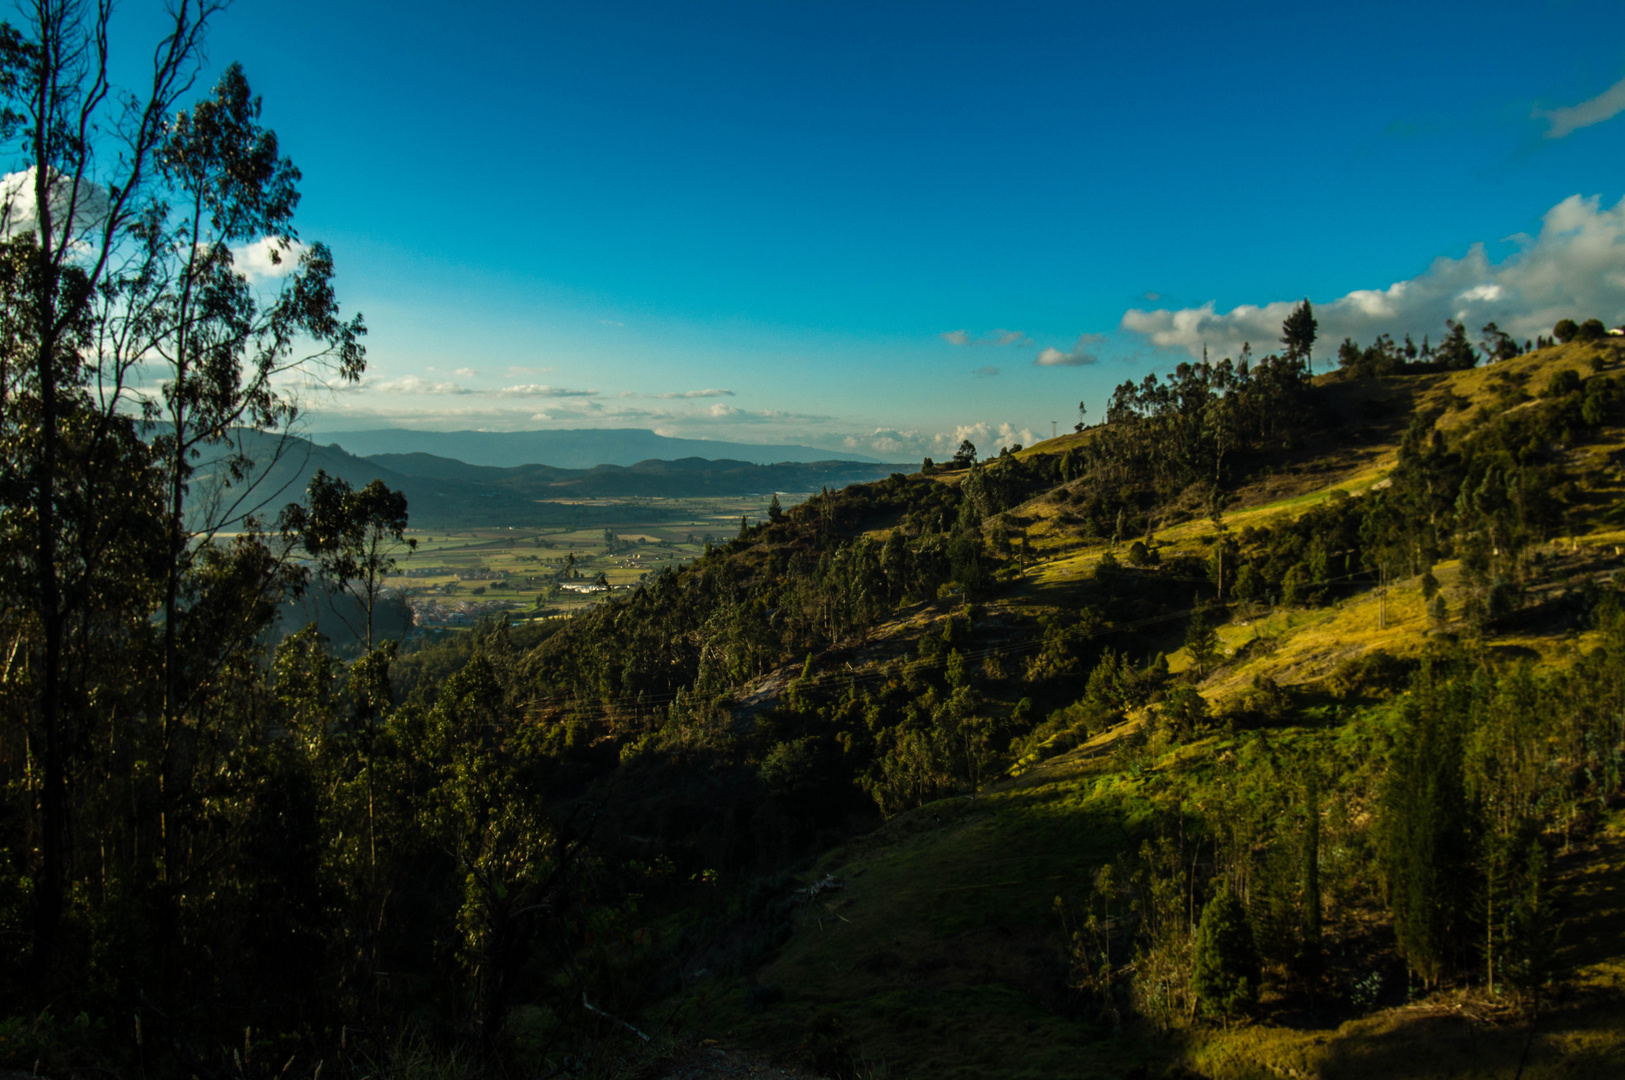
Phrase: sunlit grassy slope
(941, 955)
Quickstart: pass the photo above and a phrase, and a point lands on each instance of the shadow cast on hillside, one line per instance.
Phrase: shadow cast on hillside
(1576, 1036)
(1578, 1042)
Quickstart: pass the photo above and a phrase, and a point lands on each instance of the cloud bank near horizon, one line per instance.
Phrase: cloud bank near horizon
(1573, 268)
(914, 444)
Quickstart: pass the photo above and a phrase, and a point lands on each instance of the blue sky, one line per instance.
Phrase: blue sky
(864, 225)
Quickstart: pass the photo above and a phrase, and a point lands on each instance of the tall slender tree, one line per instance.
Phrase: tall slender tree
(1298, 335)
(123, 218)
(86, 155)
(227, 185)
(1426, 835)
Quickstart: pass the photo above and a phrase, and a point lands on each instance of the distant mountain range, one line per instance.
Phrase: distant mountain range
(685, 478)
(577, 448)
(447, 493)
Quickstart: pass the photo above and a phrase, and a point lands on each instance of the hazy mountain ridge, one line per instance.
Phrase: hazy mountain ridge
(684, 478)
(573, 448)
(445, 492)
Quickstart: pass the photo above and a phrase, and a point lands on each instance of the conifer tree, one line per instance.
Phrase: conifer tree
(1224, 963)
(1298, 334)
(1426, 838)
(1202, 641)
(1310, 855)
(1455, 352)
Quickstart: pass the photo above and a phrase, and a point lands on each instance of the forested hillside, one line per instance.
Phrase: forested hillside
(1275, 725)
(1261, 726)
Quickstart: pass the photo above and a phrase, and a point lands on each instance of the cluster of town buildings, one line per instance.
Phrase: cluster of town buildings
(584, 587)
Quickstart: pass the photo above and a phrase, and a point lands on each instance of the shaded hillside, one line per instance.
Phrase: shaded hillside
(282, 468)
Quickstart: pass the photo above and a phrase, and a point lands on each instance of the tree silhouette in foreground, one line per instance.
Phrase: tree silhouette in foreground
(354, 536)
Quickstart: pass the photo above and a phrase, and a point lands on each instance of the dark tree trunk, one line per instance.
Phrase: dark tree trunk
(54, 792)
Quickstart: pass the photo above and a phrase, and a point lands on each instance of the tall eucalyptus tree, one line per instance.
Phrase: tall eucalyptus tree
(130, 342)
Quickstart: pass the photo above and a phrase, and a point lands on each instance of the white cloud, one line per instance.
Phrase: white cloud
(890, 442)
(345, 411)
(998, 338)
(413, 384)
(1010, 435)
(1574, 268)
(912, 444)
(1078, 355)
(1569, 119)
(724, 412)
(542, 390)
(720, 420)
(266, 259)
(682, 395)
(962, 432)
(17, 213)
(467, 373)
(987, 439)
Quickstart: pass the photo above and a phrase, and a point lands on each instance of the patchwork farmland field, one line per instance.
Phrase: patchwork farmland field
(456, 576)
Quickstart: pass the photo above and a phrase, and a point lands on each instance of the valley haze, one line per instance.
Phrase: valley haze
(568, 448)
